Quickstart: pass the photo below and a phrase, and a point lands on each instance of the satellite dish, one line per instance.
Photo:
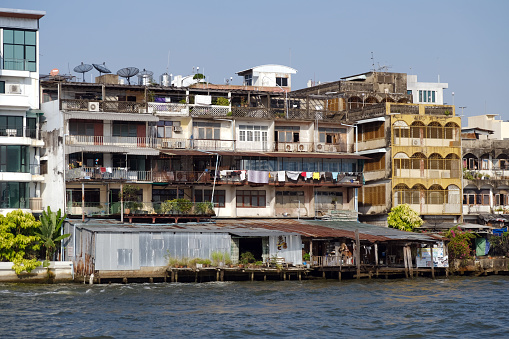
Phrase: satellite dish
(101, 68)
(83, 68)
(127, 73)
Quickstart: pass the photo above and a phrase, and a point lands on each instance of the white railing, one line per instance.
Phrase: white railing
(110, 141)
(172, 108)
(107, 173)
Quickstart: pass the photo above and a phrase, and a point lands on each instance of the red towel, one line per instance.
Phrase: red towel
(103, 169)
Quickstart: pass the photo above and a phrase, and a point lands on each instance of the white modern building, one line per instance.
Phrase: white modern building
(20, 139)
(426, 92)
(268, 76)
(500, 128)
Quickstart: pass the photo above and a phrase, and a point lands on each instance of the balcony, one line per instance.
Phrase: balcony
(36, 204)
(129, 142)
(426, 173)
(107, 174)
(74, 105)
(19, 133)
(141, 209)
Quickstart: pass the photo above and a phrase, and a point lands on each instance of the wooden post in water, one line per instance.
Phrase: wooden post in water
(405, 261)
(217, 275)
(252, 276)
(358, 253)
(410, 266)
(339, 276)
(376, 254)
(432, 262)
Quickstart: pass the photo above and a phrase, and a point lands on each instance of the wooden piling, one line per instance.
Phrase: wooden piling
(252, 276)
(432, 263)
(339, 276)
(358, 253)
(405, 260)
(410, 265)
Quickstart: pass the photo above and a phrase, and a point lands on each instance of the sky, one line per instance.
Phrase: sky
(464, 43)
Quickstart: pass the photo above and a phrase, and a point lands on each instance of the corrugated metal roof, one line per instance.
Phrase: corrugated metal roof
(111, 116)
(266, 227)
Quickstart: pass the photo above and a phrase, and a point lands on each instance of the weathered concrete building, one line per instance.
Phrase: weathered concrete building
(414, 150)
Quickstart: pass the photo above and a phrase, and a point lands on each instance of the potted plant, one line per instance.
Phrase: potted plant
(204, 208)
(129, 195)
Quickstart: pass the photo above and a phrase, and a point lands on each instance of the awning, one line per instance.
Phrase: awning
(373, 151)
(110, 149)
(365, 121)
(316, 155)
(33, 113)
(111, 116)
(185, 152)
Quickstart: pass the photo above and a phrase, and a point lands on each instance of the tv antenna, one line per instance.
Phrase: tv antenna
(127, 73)
(373, 62)
(83, 68)
(101, 68)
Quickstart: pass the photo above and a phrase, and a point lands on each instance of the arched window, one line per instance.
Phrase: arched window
(451, 131)
(435, 130)
(417, 129)
(418, 161)
(436, 162)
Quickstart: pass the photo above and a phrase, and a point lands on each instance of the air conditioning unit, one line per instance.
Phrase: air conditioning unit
(289, 148)
(11, 132)
(93, 106)
(301, 148)
(177, 129)
(416, 142)
(180, 144)
(320, 147)
(15, 89)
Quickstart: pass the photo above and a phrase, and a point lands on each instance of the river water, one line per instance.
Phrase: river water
(455, 307)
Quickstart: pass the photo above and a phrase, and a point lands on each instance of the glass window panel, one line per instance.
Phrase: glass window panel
(19, 52)
(30, 53)
(208, 134)
(19, 37)
(9, 51)
(216, 133)
(30, 38)
(8, 36)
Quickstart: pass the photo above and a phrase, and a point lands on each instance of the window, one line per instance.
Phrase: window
(375, 164)
(206, 195)
(409, 92)
(372, 131)
(125, 129)
(2, 87)
(81, 127)
(9, 124)
(289, 199)
(164, 129)
(251, 199)
(283, 82)
(14, 159)
(160, 195)
(374, 196)
(20, 50)
(14, 195)
(125, 257)
(248, 80)
(252, 133)
(207, 130)
(287, 133)
(329, 197)
(331, 135)
(91, 195)
(427, 96)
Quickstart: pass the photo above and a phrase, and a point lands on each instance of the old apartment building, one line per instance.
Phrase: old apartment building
(485, 175)
(254, 152)
(414, 149)
(20, 140)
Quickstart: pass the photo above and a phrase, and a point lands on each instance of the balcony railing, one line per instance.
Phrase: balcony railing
(36, 204)
(102, 106)
(107, 173)
(130, 142)
(140, 208)
(18, 132)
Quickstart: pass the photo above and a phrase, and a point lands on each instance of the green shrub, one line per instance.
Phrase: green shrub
(247, 257)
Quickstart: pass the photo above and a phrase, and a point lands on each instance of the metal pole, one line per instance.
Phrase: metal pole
(122, 202)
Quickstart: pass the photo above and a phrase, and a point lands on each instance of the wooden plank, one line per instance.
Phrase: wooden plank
(405, 261)
(432, 263)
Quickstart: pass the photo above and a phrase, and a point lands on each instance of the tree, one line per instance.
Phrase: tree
(460, 244)
(404, 218)
(51, 223)
(18, 240)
